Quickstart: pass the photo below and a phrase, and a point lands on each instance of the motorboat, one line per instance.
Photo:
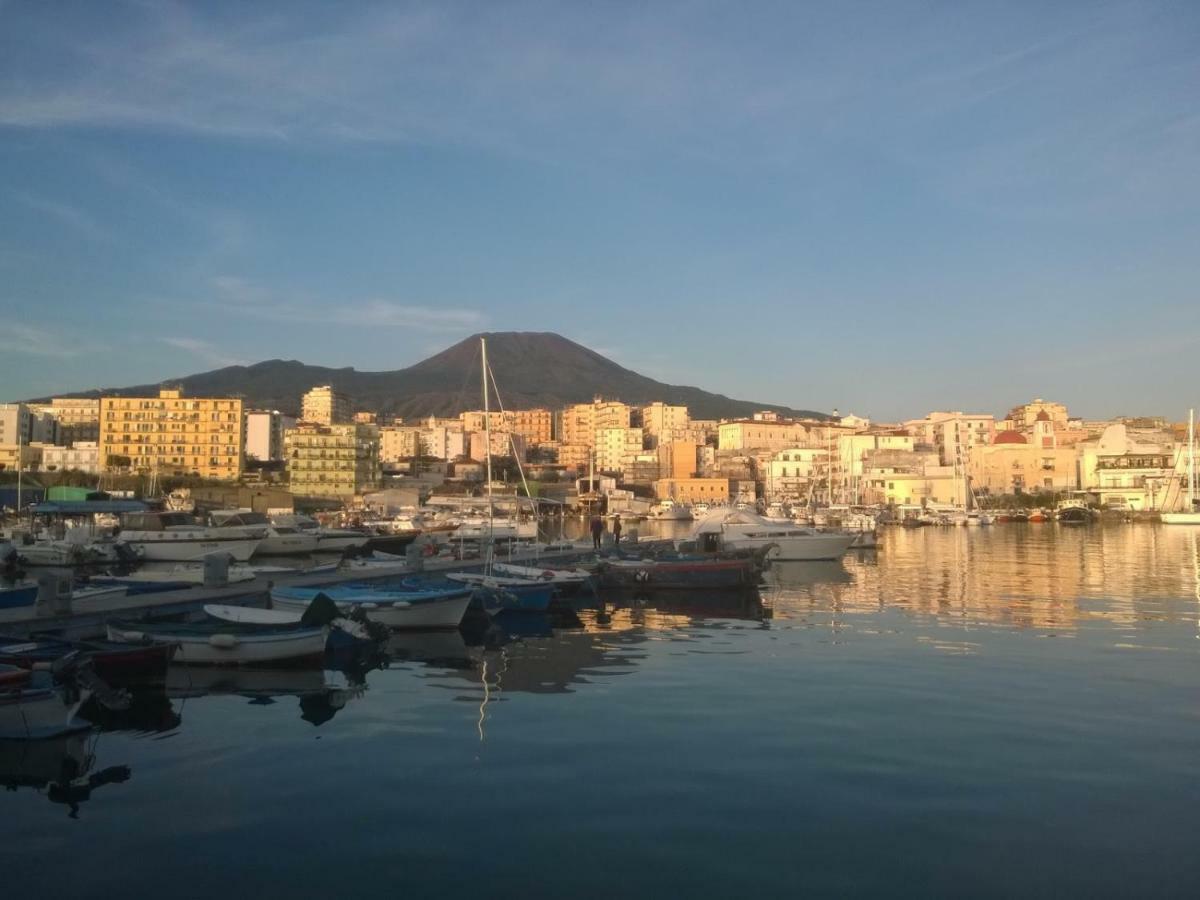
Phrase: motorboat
(226, 643)
(274, 540)
(683, 573)
(670, 511)
(497, 593)
(329, 540)
(394, 606)
(562, 579)
(115, 663)
(175, 537)
(343, 632)
(735, 529)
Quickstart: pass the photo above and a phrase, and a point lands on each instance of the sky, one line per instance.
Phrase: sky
(885, 208)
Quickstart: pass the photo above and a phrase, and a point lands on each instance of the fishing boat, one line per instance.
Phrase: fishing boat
(495, 593)
(343, 632)
(1074, 510)
(32, 707)
(393, 606)
(562, 579)
(226, 644)
(1190, 514)
(175, 537)
(735, 529)
(115, 663)
(685, 573)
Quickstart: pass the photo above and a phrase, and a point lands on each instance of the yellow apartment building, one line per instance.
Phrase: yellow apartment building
(325, 406)
(332, 460)
(536, 426)
(172, 434)
(583, 422)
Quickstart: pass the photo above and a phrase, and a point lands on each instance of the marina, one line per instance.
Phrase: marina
(560, 717)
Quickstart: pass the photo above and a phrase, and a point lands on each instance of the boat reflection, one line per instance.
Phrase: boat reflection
(61, 767)
(319, 700)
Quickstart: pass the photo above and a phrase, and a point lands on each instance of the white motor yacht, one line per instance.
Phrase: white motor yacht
(738, 529)
(175, 537)
(274, 540)
(329, 540)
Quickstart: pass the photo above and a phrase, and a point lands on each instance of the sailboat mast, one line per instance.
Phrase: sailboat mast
(487, 429)
(1191, 460)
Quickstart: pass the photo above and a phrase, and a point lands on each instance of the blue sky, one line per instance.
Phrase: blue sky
(881, 207)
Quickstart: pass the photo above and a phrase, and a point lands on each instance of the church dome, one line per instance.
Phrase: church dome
(1043, 416)
(1009, 437)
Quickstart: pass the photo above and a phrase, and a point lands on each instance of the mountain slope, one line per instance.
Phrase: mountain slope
(531, 369)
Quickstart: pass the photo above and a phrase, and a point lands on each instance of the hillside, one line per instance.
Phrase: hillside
(531, 368)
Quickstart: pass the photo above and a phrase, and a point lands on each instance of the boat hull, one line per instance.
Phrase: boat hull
(14, 598)
(806, 548)
(1181, 518)
(419, 609)
(184, 550)
(683, 575)
(228, 648)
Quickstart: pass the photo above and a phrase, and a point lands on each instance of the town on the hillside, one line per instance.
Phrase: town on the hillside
(336, 456)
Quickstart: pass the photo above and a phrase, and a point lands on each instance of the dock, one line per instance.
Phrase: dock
(87, 618)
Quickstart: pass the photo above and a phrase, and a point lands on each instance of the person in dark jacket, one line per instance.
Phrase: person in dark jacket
(617, 532)
(597, 530)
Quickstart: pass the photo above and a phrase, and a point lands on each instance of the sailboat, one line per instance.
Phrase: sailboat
(497, 593)
(1190, 515)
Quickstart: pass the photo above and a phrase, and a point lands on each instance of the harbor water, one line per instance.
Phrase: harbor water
(1005, 711)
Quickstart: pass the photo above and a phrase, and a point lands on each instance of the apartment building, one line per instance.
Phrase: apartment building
(332, 460)
(78, 418)
(763, 435)
(325, 406)
(660, 420)
(692, 490)
(172, 434)
(583, 422)
(536, 426)
(614, 444)
(264, 434)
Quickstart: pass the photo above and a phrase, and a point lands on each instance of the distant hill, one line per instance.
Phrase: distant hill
(531, 368)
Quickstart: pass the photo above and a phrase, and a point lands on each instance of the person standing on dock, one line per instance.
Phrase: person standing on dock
(597, 530)
(617, 532)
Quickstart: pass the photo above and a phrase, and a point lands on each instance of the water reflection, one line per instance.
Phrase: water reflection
(60, 767)
(1042, 577)
(319, 699)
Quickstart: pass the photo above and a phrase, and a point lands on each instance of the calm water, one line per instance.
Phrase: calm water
(1013, 711)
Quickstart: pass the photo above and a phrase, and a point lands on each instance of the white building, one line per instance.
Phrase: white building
(82, 456)
(264, 434)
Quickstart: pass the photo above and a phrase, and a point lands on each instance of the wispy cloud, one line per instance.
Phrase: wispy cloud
(66, 214)
(203, 350)
(30, 340)
(241, 297)
(929, 86)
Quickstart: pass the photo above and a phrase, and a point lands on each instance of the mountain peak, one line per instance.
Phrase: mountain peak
(531, 368)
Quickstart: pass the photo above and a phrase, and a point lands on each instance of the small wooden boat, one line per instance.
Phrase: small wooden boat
(562, 579)
(395, 607)
(343, 632)
(678, 574)
(115, 663)
(227, 644)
